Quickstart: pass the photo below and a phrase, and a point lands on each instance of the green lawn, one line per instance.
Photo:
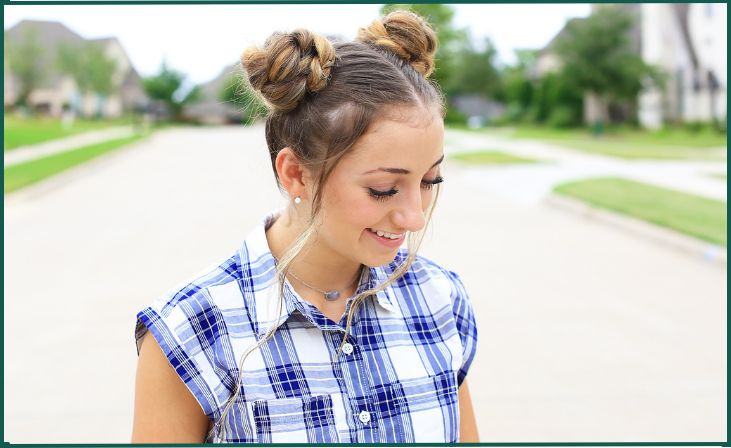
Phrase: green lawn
(626, 143)
(23, 174)
(693, 215)
(28, 131)
(489, 157)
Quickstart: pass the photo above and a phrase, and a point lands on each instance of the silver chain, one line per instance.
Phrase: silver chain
(329, 295)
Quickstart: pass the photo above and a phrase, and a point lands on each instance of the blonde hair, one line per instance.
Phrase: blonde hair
(323, 97)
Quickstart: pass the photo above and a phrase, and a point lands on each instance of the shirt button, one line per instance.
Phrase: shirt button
(364, 416)
(347, 348)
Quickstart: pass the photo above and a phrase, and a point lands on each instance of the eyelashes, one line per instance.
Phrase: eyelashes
(383, 195)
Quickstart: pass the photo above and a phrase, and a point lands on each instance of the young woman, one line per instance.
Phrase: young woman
(321, 328)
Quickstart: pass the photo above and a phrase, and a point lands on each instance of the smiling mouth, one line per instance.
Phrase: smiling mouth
(390, 236)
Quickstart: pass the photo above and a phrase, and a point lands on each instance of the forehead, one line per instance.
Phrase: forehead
(411, 138)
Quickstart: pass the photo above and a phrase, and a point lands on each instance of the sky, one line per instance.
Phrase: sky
(201, 40)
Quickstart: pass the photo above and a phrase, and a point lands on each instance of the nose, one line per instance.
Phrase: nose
(409, 215)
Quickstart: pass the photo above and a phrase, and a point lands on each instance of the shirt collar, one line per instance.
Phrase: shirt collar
(255, 250)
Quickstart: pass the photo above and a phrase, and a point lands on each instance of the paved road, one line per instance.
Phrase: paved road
(586, 333)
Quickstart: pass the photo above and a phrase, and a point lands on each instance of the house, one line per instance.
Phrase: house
(687, 41)
(211, 109)
(57, 90)
(478, 110)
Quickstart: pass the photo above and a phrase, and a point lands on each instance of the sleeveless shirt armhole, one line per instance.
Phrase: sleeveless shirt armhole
(185, 365)
(464, 316)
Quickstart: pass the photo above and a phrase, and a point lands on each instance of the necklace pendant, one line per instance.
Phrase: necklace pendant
(332, 295)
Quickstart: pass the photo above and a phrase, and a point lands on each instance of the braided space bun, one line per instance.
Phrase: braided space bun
(405, 34)
(289, 66)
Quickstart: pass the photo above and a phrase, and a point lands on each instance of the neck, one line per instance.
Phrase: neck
(317, 265)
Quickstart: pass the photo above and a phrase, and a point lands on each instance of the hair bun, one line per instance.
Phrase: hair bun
(288, 66)
(407, 35)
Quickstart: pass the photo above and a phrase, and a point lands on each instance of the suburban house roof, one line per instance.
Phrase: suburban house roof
(50, 35)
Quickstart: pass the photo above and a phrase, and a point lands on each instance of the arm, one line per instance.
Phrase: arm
(165, 410)
(467, 421)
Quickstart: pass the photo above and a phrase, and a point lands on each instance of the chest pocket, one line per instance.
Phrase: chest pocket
(430, 404)
(288, 420)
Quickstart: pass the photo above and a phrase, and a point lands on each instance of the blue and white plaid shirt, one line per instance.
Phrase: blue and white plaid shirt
(395, 380)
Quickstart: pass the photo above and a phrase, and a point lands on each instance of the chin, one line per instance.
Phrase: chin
(380, 260)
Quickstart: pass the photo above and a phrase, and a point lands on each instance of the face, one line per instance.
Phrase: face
(380, 191)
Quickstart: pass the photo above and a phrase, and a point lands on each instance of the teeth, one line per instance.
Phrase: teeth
(392, 236)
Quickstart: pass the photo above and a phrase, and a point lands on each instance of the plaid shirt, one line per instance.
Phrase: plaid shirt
(395, 380)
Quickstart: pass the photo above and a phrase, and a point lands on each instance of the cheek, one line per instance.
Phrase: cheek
(351, 209)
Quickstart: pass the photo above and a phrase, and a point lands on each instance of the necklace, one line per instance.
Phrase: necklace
(329, 295)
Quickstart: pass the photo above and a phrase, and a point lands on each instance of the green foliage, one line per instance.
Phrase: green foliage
(475, 73)
(555, 101)
(29, 131)
(597, 56)
(490, 157)
(165, 86)
(237, 91)
(455, 117)
(25, 60)
(18, 176)
(519, 90)
(88, 65)
(628, 143)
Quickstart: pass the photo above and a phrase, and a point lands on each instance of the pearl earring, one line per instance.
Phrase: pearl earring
(297, 200)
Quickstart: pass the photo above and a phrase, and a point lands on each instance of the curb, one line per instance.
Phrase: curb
(704, 250)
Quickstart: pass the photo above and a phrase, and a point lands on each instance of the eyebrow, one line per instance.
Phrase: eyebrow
(401, 170)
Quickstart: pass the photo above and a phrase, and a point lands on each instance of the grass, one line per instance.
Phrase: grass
(626, 143)
(686, 213)
(489, 157)
(28, 131)
(23, 174)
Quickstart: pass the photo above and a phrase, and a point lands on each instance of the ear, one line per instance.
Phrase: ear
(293, 176)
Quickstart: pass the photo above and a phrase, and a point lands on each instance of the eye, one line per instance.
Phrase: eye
(428, 184)
(382, 195)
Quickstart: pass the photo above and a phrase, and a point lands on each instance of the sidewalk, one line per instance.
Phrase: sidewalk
(31, 152)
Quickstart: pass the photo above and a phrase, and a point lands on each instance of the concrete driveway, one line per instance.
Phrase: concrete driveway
(586, 333)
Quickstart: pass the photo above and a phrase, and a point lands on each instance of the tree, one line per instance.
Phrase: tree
(89, 66)
(598, 58)
(475, 72)
(25, 58)
(237, 91)
(166, 87)
(519, 87)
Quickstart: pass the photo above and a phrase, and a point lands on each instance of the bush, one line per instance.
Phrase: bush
(454, 116)
(562, 117)
(702, 127)
(696, 126)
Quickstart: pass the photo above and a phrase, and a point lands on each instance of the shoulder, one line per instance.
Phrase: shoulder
(205, 303)
(427, 269)
(435, 281)
(196, 291)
